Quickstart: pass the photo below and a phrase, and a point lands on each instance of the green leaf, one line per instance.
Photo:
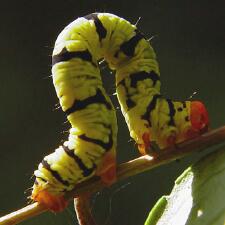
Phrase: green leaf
(198, 196)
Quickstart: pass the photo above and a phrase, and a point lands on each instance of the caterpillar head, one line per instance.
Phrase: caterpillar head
(199, 117)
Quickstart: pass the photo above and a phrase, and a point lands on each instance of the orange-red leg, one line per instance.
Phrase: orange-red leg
(144, 148)
(171, 140)
(52, 202)
(147, 148)
(107, 168)
(191, 133)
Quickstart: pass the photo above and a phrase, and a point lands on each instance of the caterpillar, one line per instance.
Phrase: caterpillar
(91, 145)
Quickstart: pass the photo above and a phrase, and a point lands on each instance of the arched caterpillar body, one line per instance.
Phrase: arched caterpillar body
(90, 148)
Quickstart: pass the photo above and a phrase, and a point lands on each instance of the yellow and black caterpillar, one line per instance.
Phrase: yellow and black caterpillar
(91, 145)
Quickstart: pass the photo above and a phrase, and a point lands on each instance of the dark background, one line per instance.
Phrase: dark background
(189, 39)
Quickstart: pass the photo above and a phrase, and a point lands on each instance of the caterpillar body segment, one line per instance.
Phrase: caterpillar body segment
(90, 149)
(91, 145)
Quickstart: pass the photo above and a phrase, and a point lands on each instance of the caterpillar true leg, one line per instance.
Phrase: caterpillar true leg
(107, 168)
(56, 203)
(144, 148)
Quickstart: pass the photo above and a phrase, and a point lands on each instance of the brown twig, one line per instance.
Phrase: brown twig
(83, 210)
(125, 170)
